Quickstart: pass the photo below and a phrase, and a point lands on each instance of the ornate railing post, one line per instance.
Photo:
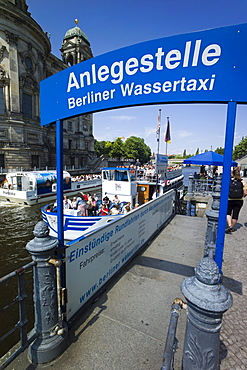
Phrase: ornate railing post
(207, 300)
(213, 216)
(51, 332)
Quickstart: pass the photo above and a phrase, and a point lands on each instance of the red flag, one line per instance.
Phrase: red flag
(168, 135)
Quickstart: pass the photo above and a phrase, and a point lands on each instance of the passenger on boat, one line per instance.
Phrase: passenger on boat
(106, 200)
(89, 205)
(126, 209)
(73, 203)
(81, 205)
(116, 200)
(126, 205)
(104, 210)
(94, 206)
(66, 202)
(115, 210)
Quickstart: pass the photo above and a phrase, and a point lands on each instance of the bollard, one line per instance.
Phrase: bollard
(213, 216)
(51, 332)
(207, 300)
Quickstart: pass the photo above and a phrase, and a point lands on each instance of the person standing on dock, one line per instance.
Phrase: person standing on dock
(237, 192)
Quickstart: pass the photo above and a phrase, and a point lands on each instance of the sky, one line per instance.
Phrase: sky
(113, 24)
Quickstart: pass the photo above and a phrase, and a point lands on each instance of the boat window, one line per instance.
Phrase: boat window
(132, 175)
(108, 175)
(121, 176)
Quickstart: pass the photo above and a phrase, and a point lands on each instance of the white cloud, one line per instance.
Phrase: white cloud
(123, 118)
(181, 134)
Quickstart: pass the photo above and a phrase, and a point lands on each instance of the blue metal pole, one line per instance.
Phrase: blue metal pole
(59, 160)
(227, 163)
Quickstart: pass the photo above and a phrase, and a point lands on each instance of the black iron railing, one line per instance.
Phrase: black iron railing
(21, 325)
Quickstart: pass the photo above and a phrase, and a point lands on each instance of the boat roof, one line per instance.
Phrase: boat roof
(35, 173)
(118, 168)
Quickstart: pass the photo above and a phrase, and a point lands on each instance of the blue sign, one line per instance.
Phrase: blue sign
(207, 66)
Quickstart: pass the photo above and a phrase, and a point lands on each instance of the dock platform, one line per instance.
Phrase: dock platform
(126, 327)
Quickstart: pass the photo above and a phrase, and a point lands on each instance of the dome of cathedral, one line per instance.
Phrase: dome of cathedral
(75, 32)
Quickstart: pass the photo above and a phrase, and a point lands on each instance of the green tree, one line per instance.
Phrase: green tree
(197, 151)
(117, 149)
(219, 150)
(240, 149)
(184, 153)
(135, 148)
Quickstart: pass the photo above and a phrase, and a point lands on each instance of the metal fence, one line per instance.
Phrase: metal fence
(21, 325)
(202, 186)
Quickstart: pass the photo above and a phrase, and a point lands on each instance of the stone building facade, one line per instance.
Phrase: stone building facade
(25, 60)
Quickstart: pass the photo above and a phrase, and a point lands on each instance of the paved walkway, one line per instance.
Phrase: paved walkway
(234, 329)
(125, 329)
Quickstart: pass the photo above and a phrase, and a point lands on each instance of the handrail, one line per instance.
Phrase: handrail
(171, 340)
(22, 323)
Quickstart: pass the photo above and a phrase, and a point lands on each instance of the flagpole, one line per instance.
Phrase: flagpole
(158, 131)
(158, 150)
(166, 141)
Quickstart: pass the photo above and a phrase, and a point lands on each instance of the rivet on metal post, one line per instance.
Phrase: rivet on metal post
(207, 300)
(52, 333)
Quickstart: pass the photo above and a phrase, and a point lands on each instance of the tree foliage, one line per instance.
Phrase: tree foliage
(219, 150)
(133, 148)
(240, 149)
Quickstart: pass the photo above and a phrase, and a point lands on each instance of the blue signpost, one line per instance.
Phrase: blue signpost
(200, 67)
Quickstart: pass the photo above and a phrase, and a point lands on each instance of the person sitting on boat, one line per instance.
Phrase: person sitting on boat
(66, 202)
(106, 200)
(116, 200)
(126, 205)
(104, 210)
(115, 210)
(126, 209)
(81, 205)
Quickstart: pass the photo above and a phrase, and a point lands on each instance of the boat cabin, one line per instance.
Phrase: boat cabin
(120, 181)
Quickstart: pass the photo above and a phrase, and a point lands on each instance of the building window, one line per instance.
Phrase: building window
(2, 102)
(28, 63)
(70, 144)
(35, 161)
(2, 164)
(70, 126)
(27, 105)
(72, 161)
(86, 145)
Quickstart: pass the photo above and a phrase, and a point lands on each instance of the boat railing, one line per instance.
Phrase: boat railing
(202, 186)
(46, 168)
(22, 324)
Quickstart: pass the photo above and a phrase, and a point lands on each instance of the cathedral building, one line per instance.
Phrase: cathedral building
(25, 60)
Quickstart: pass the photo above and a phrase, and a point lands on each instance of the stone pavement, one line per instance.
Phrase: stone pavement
(234, 328)
(126, 328)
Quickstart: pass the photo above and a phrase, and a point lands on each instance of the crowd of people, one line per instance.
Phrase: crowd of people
(86, 177)
(91, 205)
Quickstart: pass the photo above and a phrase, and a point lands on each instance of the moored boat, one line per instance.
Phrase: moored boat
(34, 187)
(115, 181)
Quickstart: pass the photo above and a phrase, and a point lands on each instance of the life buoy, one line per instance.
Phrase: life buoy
(167, 182)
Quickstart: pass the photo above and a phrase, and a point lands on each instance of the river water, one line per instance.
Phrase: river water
(16, 225)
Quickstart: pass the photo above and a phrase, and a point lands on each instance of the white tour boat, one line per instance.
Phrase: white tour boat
(115, 181)
(33, 187)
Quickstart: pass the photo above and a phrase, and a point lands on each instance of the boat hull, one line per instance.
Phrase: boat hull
(28, 198)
